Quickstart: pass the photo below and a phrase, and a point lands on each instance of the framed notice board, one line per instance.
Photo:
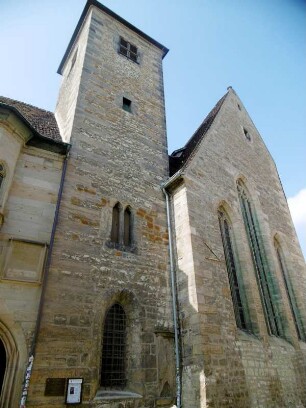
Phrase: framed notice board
(74, 391)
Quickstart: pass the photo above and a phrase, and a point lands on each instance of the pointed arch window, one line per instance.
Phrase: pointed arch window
(113, 367)
(231, 266)
(127, 235)
(291, 297)
(115, 233)
(121, 236)
(267, 287)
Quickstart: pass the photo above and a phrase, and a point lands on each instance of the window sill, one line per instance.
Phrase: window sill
(120, 247)
(115, 395)
(128, 58)
(165, 402)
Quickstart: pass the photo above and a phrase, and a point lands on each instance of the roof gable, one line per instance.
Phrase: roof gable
(179, 158)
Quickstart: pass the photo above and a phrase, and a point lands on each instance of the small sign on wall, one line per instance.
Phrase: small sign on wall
(74, 391)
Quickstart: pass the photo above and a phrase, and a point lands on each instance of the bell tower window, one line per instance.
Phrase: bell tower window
(128, 50)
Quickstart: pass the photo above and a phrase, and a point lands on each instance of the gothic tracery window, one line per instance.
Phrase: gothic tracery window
(265, 282)
(291, 297)
(113, 367)
(231, 265)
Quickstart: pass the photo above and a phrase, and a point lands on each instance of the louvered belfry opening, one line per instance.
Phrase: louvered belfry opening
(114, 349)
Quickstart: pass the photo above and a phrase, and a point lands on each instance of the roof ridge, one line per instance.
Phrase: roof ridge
(177, 162)
(41, 120)
(23, 103)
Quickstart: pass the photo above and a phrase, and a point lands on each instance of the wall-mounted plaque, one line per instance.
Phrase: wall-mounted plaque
(55, 387)
(24, 260)
(74, 391)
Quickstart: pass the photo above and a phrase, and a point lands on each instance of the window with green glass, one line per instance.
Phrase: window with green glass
(232, 270)
(290, 293)
(267, 286)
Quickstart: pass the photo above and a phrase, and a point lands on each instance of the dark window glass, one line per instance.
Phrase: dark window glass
(293, 305)
(246, 134)
(114, 348)
(115, 224)
(263, 273)
(231, 266)
(128, 49)
(127, 227)
(126, 104)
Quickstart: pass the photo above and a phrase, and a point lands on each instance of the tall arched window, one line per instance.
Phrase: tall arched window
(127, 237)
(231, 265)
(113, 370)
(115, 233)
(2, 174)
(267, 287)
(291, 297)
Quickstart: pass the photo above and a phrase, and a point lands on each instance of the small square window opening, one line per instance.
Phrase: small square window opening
(127, 105)
(246, 134)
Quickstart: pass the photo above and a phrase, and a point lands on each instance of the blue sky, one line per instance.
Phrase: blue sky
(258, 47)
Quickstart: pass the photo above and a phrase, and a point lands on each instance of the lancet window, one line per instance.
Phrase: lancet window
(232, 269)
(267, 287)
(122, 226)
(291, 297)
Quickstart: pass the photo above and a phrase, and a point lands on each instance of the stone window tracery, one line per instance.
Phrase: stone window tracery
(231, 266)
(291, 297)
(267, 287)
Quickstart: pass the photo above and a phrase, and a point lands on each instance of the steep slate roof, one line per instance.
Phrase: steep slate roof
(42, 121)
(180, 157)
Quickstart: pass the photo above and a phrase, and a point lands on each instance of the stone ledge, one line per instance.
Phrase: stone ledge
(116, 395)
(165, 402)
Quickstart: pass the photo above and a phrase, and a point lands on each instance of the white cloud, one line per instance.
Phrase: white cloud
(297, 205)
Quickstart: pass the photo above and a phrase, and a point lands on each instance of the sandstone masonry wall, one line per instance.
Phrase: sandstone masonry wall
(116, 156)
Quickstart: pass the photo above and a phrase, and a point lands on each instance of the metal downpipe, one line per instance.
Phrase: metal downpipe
(174, 299)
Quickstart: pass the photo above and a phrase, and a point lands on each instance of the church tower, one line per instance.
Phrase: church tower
(106, 316)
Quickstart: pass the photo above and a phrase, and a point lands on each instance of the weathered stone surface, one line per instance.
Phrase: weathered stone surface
(116, 156)
(223, 366)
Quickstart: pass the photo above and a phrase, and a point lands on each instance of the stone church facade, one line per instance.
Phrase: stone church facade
(149, 279)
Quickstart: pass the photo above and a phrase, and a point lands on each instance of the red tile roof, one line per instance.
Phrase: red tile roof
(42, 121)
